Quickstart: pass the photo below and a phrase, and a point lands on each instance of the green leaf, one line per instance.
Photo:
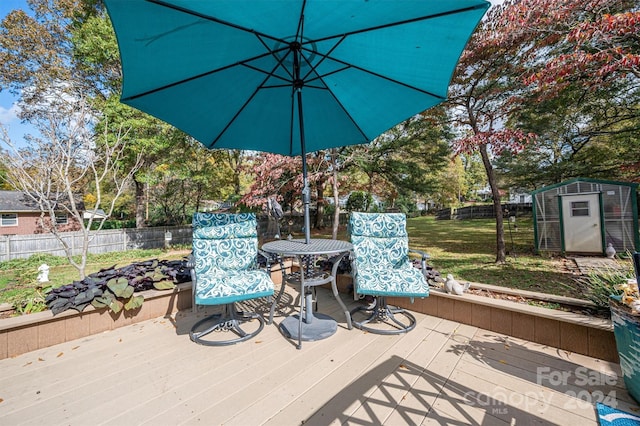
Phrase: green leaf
(116, 306)
(134, 303)
(163, 285)
(156, 275)
(105, 300)
(127, 292)
(96, 303)
(118, 286)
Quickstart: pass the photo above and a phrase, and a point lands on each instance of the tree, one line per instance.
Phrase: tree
(404, 160)
(485, 91)
(72, 42)
(55, 169)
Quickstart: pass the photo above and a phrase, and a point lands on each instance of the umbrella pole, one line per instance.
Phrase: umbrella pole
(306, 196)
(297, 85)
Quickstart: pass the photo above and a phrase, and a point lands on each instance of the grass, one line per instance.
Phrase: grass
(465, 249)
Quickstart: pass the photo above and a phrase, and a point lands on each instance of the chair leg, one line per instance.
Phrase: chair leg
(229, 320)
(381, 313)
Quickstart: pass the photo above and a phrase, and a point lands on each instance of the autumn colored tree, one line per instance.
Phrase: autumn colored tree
(482, 96)
(591, 57)
(528, 51)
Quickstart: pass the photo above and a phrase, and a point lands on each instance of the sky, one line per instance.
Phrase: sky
(8, 117)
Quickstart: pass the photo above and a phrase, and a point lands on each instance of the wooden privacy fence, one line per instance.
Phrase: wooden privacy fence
(105, 241)
(483, 211)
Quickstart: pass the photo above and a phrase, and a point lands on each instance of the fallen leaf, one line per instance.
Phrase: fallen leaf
(40, 359)
(258, 341)
(1, 400)
(60, 354)
(74, 348)
(502, 361)
(29, 363)
(404, 366)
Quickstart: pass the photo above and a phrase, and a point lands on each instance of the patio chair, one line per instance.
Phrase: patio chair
(381, 267)
(225, 272)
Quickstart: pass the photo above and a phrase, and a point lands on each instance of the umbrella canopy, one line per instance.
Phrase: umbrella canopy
(289, 76)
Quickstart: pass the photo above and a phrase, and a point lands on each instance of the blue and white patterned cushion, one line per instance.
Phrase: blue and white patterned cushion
(381, 256)
(225, 248)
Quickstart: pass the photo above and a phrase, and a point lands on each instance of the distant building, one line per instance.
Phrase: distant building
(19, 215)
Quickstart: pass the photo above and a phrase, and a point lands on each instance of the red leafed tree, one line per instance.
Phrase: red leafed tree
(528, 50)
(281, 176)
(593, 42)
(485, 89)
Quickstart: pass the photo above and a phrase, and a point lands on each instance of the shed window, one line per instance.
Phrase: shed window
(579, 208)
(62, 219)
(9, 219)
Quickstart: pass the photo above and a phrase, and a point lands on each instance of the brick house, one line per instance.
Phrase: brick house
(19, 215)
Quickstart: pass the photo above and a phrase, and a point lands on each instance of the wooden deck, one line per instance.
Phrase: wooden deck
(440, 373)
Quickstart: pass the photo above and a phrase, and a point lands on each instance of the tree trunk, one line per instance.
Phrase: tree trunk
(501, 255)
(319, 222)
(140, 205)
(336, 196)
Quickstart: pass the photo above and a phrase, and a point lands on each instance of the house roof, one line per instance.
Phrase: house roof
(19, 202)
(16, 201)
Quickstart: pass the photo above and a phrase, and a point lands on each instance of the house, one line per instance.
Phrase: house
(20, 215)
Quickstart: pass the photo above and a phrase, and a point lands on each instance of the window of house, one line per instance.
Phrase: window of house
(580, 208)
(62, 219)
(9, 219)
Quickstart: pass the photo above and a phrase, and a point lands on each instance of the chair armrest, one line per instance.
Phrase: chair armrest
(270, 258)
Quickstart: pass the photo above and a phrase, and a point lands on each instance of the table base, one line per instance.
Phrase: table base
(321, 327)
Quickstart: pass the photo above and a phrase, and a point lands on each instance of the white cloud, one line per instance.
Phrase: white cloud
(9, 115)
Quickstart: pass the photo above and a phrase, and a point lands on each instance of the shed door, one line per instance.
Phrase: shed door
(581, 220)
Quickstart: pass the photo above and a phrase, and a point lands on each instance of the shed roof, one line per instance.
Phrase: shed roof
(570, 181)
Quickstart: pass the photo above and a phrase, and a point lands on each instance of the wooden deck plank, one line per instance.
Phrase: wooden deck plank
(569, 373)
(50, 387)
(431, 365)
(388, 393)
(322, 403)
(223, 401)
(277, 384)
(349, 402)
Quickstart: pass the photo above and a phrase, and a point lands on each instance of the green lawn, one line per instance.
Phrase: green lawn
(465, 249)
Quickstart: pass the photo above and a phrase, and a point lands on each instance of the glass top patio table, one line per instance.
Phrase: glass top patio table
(309, 326)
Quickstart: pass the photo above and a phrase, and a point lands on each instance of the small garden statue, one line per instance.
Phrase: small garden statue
(43, 273)
(454, 287)
(610, 251)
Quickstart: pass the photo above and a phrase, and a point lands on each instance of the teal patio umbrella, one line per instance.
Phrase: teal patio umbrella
(289, 76)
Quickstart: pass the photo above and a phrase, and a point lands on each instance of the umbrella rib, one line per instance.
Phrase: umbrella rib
(209, 18)
(195, 77)
(249, 99)
(406, 21)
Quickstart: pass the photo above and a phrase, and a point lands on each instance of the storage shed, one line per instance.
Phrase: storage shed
(585, 215)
